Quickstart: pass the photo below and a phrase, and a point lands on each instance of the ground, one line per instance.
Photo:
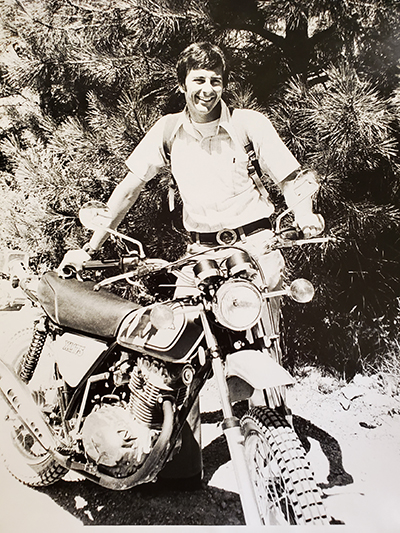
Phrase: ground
(363, 416)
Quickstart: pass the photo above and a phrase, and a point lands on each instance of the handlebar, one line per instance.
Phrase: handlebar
(286, 238)
(292, 240)
(103, 264)
(122, 263)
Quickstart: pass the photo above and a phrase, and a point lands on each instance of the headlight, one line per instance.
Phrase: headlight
(237, 304)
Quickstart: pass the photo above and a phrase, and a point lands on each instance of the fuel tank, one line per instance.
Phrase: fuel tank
(174, 338)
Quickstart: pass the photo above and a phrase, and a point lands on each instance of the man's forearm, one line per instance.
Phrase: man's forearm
(121, 200)
(298, 191)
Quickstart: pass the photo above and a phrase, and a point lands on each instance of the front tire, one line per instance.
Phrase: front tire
(283, 481)
(24, 457)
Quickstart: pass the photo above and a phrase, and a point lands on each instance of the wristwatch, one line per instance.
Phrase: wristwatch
(88, 249)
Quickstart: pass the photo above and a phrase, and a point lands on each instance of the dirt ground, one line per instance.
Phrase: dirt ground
(362, 416)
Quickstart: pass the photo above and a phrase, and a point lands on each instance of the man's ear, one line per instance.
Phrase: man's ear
(182, 88)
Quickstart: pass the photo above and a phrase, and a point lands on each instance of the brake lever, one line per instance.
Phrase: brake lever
(300, 242)
(113, 279)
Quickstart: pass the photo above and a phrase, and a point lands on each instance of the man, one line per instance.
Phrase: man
(205, 145)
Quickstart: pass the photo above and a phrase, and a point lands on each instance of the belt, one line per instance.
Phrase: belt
(229, 236)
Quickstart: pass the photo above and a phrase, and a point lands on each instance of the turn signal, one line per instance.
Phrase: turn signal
(301, 290)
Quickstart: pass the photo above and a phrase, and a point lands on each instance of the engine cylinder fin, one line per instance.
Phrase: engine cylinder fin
(143, 401)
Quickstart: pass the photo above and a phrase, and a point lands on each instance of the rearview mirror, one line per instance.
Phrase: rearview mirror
(95, 215)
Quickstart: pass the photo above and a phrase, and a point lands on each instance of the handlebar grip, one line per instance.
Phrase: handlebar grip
(291, 233)
(99, 264)
(67, 271)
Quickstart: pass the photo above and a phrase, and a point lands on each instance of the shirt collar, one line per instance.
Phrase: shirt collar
(225, 116)
(225, 122)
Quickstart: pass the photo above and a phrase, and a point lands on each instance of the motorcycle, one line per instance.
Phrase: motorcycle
(102, 386)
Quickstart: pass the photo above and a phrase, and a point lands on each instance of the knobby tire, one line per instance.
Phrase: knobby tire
(283, 481)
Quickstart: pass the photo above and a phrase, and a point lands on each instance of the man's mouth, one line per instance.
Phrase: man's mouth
(205, 100)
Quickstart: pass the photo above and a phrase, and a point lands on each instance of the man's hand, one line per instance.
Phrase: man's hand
(74, 259)
(311, 224)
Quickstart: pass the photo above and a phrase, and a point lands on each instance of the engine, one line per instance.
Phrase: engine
(118, 435)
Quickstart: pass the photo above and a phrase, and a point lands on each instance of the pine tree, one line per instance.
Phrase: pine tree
(344, 129)
(82, 82)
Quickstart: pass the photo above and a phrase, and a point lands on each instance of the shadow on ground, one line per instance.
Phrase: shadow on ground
(156, 504)
(153, 503)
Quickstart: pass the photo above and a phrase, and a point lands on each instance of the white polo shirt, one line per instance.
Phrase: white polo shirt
(211, 171)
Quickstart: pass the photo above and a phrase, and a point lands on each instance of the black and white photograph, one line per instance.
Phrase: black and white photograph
(199, 265)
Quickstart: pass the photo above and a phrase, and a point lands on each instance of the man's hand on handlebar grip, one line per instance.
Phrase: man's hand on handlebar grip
(73, 261)
(311, 224)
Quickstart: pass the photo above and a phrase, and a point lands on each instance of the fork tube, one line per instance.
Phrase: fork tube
(234, 437)
(233, 434)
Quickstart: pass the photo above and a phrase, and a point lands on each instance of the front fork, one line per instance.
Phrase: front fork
(266, 334)
(233, 433)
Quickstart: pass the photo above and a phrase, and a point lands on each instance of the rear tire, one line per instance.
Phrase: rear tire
(24, 457)
(283, 481)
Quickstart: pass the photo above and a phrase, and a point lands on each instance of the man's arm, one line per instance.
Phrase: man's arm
(145, 161)
(298, 189)
(121, 200)
(277, 161)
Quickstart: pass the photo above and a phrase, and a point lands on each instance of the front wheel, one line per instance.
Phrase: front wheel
(283, 481)
(24, 457)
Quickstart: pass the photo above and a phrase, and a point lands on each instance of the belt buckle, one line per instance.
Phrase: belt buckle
(226, 236)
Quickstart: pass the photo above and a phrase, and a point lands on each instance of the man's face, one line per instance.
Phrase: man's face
(203, 91)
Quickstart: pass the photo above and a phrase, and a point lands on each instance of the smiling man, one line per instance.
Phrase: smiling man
(205, 145)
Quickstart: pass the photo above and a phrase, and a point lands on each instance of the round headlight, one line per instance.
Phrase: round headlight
(237, 304)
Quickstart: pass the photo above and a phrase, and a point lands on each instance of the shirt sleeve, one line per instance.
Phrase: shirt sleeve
(148, 158)
(274, 156)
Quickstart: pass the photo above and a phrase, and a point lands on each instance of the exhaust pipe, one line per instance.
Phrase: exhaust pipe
(18, 397)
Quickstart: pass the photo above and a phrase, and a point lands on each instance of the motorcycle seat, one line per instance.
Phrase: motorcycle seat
(75, 305)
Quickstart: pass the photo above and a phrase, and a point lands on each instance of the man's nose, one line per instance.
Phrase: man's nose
(207, 87)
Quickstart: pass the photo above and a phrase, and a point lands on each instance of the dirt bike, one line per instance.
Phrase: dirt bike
(102, 386)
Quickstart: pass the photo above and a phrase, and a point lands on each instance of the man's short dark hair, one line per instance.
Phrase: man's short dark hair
(201, 56)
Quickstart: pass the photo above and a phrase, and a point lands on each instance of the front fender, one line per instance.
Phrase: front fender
(257, 368)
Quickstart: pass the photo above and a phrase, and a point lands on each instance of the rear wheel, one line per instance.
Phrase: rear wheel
(24, 457)
(283, 481)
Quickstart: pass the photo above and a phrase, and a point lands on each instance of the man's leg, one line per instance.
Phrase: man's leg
(185, 470)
